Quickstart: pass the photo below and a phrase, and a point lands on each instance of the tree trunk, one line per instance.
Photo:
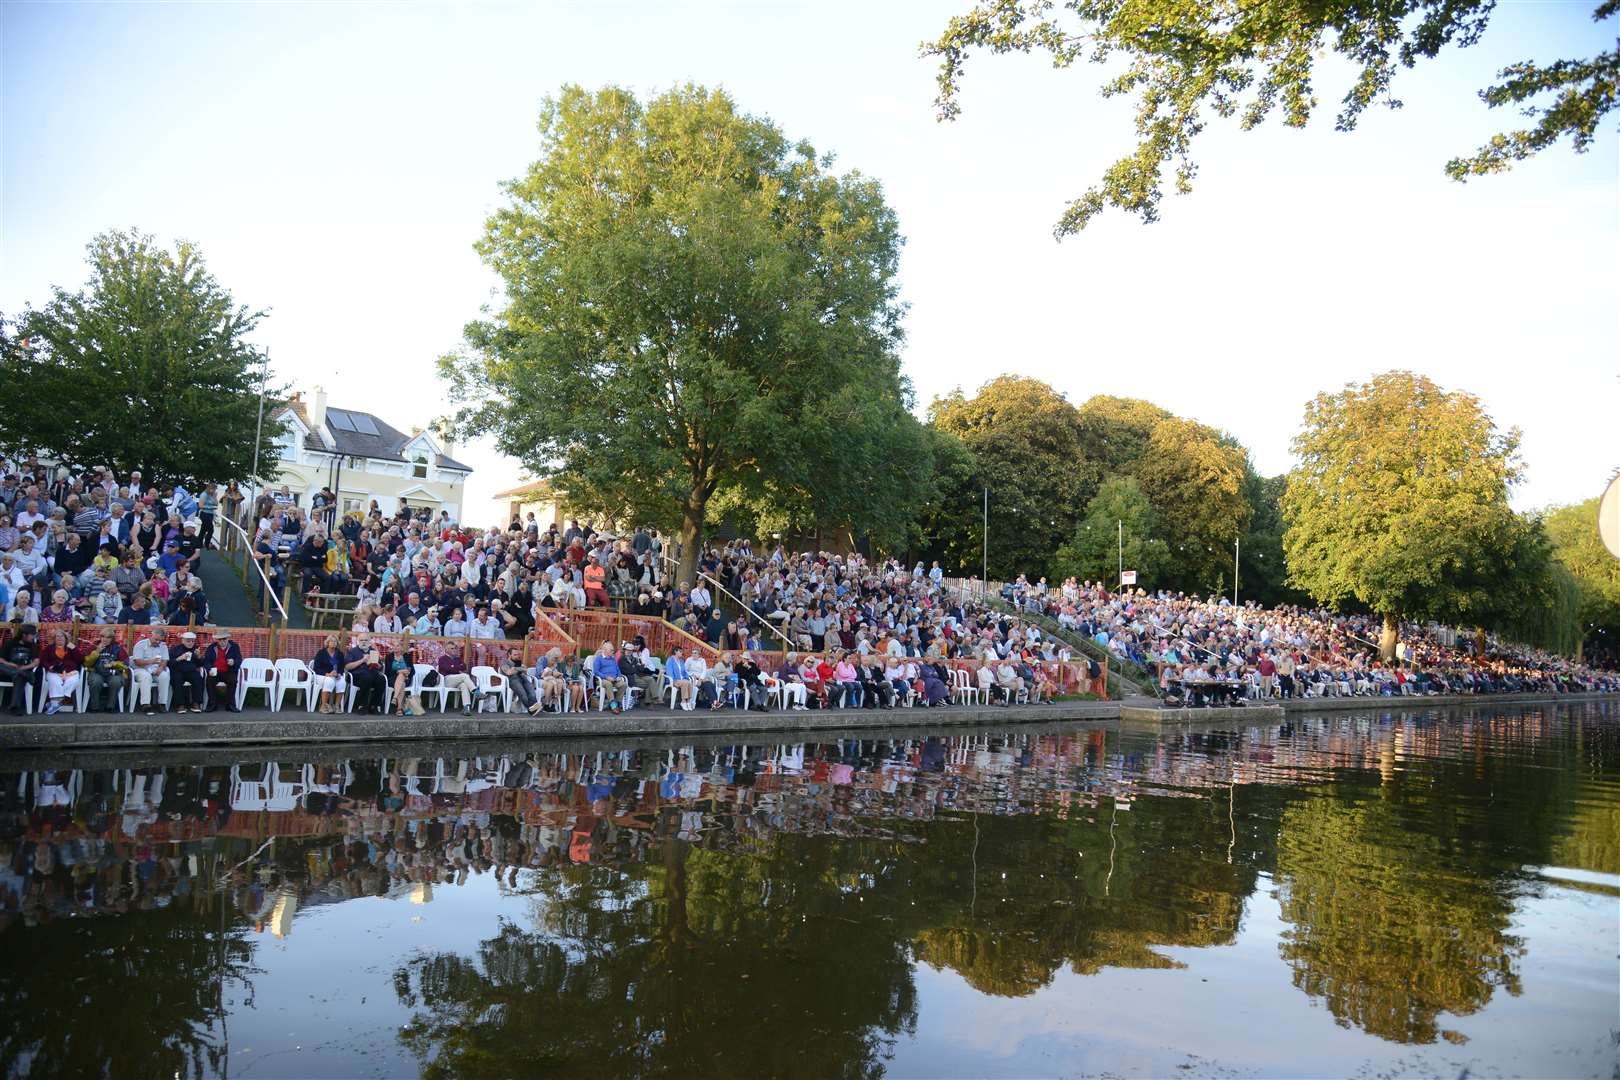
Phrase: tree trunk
(691, 541)
(1386, 640)
(1479, 641)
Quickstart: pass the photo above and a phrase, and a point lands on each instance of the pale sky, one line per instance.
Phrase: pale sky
(335, 163)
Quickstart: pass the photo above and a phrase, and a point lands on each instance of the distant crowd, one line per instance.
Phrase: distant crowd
(1196, 645)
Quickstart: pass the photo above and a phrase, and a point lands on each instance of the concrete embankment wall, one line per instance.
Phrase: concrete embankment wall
(264, 728)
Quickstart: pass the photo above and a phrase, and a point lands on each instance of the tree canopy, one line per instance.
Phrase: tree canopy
(1400, 501)
(1180, 63)
(1573, 533)
(1119, 510)
(694, 303)
(1024, 440)
(1194, 478)
(153, 346)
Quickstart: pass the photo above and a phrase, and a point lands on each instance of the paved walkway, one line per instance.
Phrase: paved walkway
(228, 603)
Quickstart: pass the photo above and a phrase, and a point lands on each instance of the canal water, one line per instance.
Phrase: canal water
(1363, 894)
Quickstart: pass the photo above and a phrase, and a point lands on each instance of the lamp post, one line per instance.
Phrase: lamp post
(1121, 580)
(258, 430)
(984, 566)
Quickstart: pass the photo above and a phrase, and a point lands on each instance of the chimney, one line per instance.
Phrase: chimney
(317, 411)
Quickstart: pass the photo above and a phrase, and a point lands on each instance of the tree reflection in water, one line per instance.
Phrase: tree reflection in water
(707, 910)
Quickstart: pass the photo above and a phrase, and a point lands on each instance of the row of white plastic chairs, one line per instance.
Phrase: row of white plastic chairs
(289, 675)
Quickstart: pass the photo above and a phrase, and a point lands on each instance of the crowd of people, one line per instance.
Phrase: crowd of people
(1205, 649)
(96, 547)
(797, 630)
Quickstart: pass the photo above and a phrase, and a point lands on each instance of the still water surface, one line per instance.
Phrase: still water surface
(1366, 894)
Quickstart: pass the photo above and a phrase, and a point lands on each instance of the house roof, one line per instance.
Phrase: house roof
(533, 487)
(362, 434)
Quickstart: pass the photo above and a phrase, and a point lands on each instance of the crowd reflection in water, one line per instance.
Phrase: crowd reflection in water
(96, 841)
(1003, 856)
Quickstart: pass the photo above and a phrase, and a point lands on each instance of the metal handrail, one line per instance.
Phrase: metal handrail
(746, 611)
(247, 553)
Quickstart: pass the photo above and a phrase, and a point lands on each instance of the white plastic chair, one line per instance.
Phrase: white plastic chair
(256, 673)
(963, 688)
(348, 691)
(284, 796)
(250, 795)
(291, 675)
(490, 681)
(83, 696)
(28, 693)
(421, 689)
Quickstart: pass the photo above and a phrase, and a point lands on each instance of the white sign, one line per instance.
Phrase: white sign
(1127, 577)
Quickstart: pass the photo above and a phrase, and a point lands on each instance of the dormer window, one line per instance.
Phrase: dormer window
(419, 465)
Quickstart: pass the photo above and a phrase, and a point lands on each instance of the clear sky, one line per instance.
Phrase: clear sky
(335, 163)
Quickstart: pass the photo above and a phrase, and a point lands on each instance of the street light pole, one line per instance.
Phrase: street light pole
(984, 567)
(1121, 581)
(258, 430)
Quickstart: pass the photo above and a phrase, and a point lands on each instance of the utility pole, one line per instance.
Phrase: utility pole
(258, 431)
(984, 567)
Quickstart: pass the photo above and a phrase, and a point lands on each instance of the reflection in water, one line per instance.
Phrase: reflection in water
(762, 910)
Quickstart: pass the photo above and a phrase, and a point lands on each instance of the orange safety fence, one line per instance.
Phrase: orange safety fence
(574, 632)
(1068, 677)
(589, 627)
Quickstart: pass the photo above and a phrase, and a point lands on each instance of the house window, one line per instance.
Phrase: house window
(419, 465)
(287, 448)
(357, 463)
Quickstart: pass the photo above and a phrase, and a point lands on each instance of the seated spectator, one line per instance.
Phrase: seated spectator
(221, 663)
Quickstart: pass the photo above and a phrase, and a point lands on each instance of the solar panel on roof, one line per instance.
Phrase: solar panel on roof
(339, 420)
(363, 424)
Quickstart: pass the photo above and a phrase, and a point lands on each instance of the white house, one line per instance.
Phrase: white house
(362, 458)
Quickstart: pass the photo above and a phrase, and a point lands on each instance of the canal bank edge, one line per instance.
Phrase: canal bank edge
(264, 728)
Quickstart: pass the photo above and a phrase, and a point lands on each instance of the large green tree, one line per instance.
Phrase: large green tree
(148, 366)
(1120, 526)
(1400, 501)
(694, 303)
(1115, 431)
(1024, 437)
(1573, 532)
(1194, 478)
(1181, 62)
(1264, 566)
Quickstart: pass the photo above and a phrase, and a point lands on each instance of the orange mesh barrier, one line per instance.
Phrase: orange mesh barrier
(573, 630)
